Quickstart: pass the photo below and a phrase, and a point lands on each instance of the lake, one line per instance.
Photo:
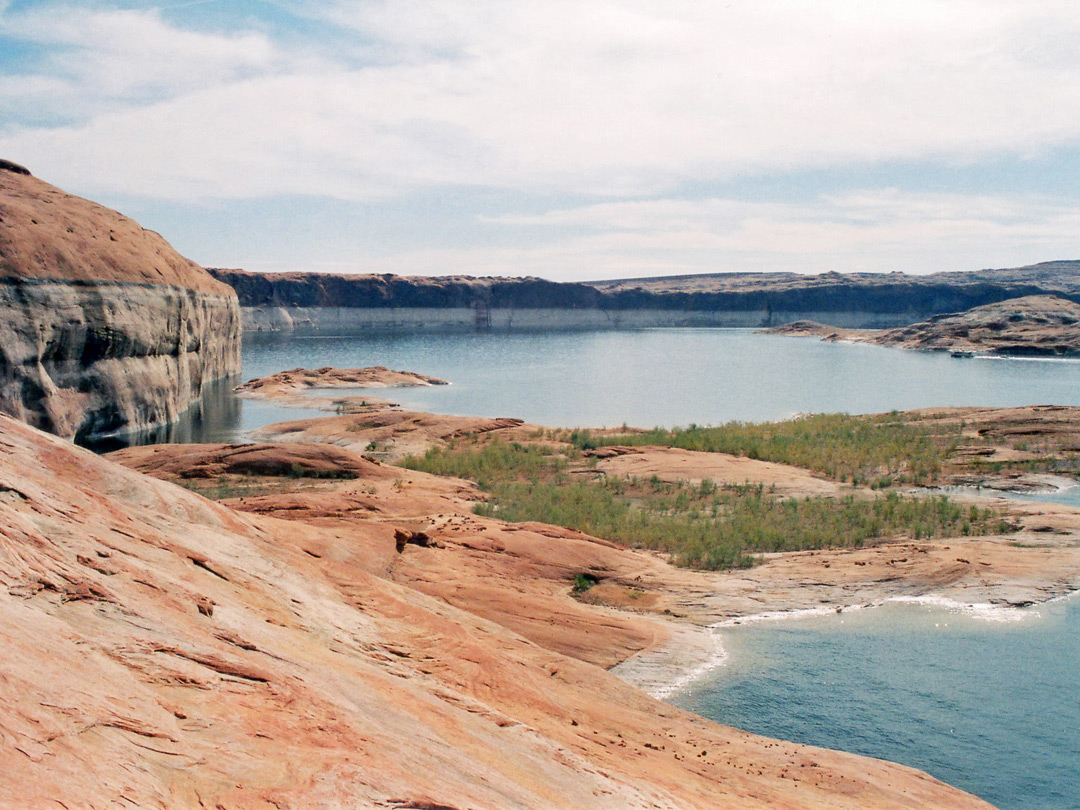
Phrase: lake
(984, 700)
(988, 706)
(644, 378)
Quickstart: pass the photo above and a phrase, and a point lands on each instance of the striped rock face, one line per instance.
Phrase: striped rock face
(104, 328)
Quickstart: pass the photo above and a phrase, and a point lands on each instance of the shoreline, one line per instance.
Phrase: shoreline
(693, 653)
(1037, 562)
(658, 629)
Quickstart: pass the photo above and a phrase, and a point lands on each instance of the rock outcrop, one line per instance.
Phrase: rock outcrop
(1033, 326)
(164, 651)
(314, 301)
(104, 328)
(287, 383)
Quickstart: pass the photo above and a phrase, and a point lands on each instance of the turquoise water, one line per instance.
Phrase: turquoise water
(667, 377)
(990, 706)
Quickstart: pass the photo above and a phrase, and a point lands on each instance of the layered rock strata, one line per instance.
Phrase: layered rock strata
(104, 328)
(315, 301)
(1036, 326)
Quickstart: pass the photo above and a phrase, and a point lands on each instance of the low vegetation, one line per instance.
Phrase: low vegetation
(701, 525)
(876, 451)
(247, 484)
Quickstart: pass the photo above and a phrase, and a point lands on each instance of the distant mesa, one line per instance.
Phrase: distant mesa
(104, 328)
(361, 302)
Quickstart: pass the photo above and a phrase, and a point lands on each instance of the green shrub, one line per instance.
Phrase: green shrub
(856, 448)
(698, 525)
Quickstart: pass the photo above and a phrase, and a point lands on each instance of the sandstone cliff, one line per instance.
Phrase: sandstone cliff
(164, 651)
(104, 328)
(313, 300)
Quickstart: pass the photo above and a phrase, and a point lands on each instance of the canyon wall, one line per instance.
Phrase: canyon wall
(104, 328)
(354, 320)
(357, 303)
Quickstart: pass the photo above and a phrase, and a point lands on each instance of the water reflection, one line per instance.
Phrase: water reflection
(214, 417)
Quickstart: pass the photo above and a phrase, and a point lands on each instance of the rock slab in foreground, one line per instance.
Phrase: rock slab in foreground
(104, 328)
(164, 651)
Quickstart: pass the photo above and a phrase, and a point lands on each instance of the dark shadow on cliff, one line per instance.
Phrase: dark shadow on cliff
(216, 415)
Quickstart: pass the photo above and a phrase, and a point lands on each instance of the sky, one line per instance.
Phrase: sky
(568, 140)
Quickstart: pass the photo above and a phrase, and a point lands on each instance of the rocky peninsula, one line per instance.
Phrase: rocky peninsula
(331, 646)
(1032, 326)
(104, 328)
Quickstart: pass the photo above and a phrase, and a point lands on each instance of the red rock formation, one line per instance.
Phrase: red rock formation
(164, 651)
(104, 328)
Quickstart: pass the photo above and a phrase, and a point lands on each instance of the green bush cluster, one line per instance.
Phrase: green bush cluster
(873, 451)
(492, 462)
(699, 525)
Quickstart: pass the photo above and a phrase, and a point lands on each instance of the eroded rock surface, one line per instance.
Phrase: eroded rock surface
(1036, 325)
(104, 328)
(164, 651)
(1030, 326)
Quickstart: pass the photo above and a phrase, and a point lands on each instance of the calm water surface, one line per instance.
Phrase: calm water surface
(988, 706)
(663, 377)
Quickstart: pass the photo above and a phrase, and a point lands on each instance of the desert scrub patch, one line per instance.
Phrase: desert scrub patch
(225, 487)
(703, 526)
(879, 450)
(582, 582)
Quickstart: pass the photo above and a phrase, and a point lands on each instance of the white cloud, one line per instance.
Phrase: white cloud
(96, 61)
(865, 231)
(598, 96)
(624, 100)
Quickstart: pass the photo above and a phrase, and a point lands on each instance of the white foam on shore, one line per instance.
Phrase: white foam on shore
(690, 657)
(717, 659)
(785, 615)
(692, 654)
(984, 611)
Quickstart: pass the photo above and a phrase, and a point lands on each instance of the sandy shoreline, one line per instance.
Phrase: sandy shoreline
(692, 654)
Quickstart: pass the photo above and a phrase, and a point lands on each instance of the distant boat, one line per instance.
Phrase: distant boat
(963, 353)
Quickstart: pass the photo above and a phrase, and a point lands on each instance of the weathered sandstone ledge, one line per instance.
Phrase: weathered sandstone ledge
(165, 651)
(285, 383)
(644, 616)
(104, 328)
